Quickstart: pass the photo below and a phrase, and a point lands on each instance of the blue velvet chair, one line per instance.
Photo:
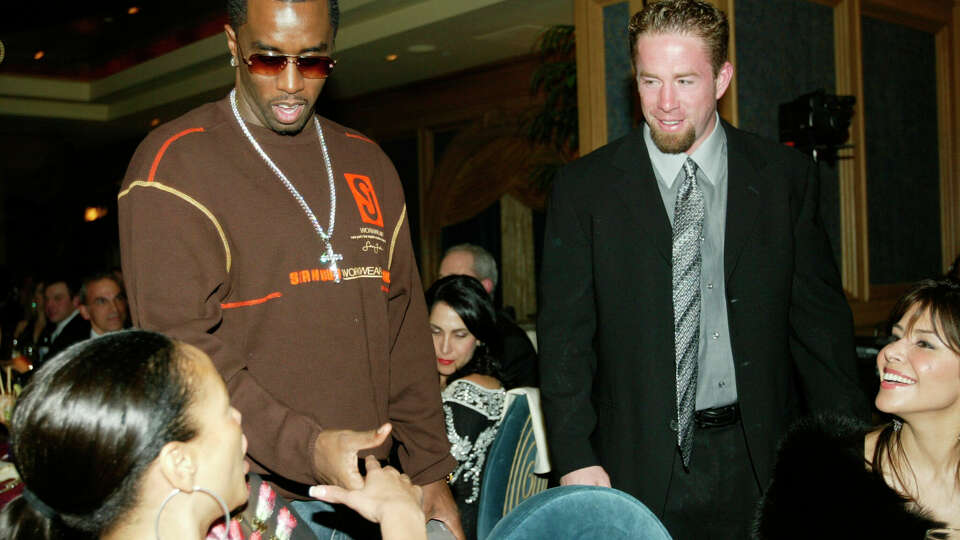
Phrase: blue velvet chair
(575, 512)
(508, 477)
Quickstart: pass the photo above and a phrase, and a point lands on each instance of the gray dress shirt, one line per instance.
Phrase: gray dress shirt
(716, 380)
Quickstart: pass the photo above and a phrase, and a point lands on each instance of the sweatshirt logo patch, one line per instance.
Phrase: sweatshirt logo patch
(311, 275)
(367, 204)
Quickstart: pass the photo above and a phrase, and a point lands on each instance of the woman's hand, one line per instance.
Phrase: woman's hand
(386, 497)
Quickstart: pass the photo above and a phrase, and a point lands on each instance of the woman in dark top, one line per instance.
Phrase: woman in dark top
(131, 435)
(835, 478)
(467, 344)
(126, 436)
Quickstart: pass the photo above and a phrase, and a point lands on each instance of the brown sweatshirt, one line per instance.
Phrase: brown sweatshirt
(216, 252)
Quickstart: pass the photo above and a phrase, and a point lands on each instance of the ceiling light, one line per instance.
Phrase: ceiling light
(392, 57)
(422, 48)
(38, 55)
(93, 213)
(133, 10)
(155, 122)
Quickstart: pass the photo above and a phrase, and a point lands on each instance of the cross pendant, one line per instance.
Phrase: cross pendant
(330, 260)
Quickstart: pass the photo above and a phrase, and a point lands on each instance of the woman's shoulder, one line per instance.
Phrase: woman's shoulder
(484, 381)
(472, 395)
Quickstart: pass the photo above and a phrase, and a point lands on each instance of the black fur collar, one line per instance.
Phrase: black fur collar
(822, 489)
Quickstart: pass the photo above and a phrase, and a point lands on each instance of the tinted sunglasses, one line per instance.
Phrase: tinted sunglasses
(311, 67)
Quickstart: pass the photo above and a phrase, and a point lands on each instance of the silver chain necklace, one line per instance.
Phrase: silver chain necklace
(329, 258)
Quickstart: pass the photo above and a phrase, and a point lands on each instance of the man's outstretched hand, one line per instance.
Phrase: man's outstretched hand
(336, 451)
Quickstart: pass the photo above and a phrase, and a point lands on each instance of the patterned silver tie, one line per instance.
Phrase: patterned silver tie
(688, 214)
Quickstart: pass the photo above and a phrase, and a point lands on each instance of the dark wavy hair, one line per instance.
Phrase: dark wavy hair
(467, 297)
(237, 13)
(88, 426)
(941, 299)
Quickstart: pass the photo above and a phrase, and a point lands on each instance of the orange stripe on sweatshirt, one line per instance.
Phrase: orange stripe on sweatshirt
(159, 156)
(361, 137)
(253, 302)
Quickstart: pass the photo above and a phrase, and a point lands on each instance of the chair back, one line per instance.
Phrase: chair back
(575, 512)
(508, 477)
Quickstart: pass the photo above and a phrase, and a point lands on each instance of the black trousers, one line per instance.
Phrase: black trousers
(717, 496)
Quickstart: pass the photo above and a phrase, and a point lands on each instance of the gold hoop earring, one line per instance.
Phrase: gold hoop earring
(223, 506)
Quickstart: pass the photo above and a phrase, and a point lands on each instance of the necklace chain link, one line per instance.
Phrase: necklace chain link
(325, 236)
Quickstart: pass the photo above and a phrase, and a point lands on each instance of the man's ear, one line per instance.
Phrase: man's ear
(724, 76)
(487, 284)
(178, 464)
(84, 312)
(231, 40)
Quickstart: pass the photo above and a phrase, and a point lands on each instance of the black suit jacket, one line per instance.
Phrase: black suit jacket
(606, 314)
(78, 329)
(519, 364)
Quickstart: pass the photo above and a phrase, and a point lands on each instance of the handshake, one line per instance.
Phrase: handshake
(387, 497)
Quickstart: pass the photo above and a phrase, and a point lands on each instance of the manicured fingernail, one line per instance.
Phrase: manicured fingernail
(317, 491)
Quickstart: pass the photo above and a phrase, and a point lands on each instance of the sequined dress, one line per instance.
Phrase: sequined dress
(473, 414)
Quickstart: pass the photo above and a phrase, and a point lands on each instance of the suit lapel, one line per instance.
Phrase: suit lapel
(637, 185)
(744, 181)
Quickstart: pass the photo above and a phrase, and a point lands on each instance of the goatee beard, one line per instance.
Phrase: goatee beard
(673, 143)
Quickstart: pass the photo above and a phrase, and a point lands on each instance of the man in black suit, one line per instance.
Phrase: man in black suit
(764, 327)
(519, 362)
(66, 326)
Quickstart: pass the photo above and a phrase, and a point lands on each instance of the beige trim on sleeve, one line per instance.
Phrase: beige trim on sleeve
(393, 238)
(197, 204)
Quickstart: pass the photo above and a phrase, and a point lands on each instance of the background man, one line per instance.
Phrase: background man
(690, 306)
(64, 326)
(519, 362)
(104, 304)
(242, 229)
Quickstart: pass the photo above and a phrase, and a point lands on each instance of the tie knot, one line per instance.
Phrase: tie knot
(690, 168)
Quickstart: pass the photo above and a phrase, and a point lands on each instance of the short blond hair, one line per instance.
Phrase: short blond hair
(687, 17)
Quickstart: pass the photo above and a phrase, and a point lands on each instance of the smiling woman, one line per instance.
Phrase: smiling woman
(902, 478)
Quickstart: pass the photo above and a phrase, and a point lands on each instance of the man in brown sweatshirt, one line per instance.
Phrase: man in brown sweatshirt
(277, 241)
